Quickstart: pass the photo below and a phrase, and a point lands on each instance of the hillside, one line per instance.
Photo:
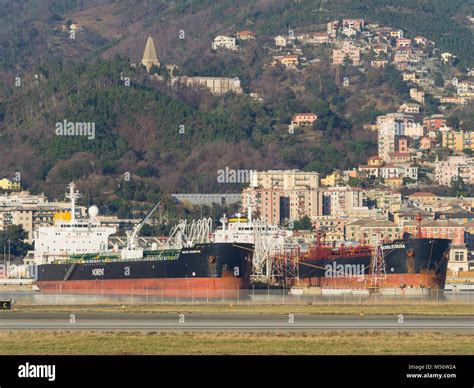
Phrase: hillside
(137, 127)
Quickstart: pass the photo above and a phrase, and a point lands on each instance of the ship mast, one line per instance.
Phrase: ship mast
(73, 195)
(379, 273)
(418, 226)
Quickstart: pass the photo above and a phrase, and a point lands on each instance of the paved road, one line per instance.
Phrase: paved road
(229, 322)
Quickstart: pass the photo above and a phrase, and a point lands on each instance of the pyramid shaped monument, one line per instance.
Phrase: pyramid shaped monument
(149, 55)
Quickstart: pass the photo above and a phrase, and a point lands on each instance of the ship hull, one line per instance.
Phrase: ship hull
(204, 270)
(227, 287)
(415, 263)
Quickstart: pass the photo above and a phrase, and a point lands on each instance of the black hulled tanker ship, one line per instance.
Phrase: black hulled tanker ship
(203, 270)
(221, 264)
(408, 263)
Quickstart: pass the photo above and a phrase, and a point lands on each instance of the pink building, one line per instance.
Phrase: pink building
(438, 229)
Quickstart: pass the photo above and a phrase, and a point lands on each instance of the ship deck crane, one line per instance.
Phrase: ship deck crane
(132, 236)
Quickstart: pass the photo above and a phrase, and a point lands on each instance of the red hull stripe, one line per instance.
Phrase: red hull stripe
(169, 287)
(390, 281)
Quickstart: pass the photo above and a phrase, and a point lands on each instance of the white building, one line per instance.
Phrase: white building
(280, 41)
(226, 42)
(453, 168)
(340, 200)
(393, 125)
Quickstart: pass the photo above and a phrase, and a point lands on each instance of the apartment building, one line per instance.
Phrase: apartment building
(458, 141)
(340, 200)
(455, 167)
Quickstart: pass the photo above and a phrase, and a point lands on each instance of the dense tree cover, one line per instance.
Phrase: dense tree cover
(13, 239)
(303, 224)
(137, 128)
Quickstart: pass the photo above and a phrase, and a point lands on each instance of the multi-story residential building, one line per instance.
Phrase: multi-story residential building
(373, 231)
(332, 228)
(389, 171)
(369, 171)
(393, 126)
(401, 57)
(393, 182)
(453, 100)
(216, 85)
(281, 195)
(458, 140)
(465, 88)
(453, 168)
(402, 170)
(276, 205)
(456, 214)
(397, 34)
(372, 168)
(30, 211)
(355, 24)
(284, 179)
(407, 170)
(386, 200)
(424, 200)
(417, 95)
(321, 38)
(6, 184)
(348, 51)
(403, 42)
(399, 157)
(409, 107)
(340, 200)
(409, 213)
(226, 42)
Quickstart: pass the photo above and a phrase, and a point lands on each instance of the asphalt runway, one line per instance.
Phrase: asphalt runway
(12, 320)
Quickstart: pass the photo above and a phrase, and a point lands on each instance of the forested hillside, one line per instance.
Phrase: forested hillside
(138, 126)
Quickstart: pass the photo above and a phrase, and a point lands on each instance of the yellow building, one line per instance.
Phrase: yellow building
(331, 180)
(458, 141)
(394, 181)
(6, 184)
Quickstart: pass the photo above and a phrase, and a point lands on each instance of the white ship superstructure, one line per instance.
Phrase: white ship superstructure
(243, 230)
(71, 237)
(267, 239)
